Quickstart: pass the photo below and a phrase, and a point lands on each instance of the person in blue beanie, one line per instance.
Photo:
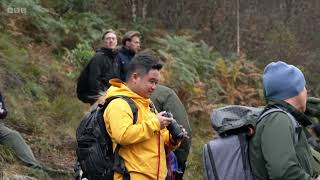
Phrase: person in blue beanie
(279, 147)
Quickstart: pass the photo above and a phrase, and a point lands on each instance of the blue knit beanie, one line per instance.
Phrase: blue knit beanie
(282, 81)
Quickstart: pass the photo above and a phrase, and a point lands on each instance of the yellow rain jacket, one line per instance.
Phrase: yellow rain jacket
(142, 144)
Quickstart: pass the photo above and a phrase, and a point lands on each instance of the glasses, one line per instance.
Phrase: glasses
(111, 38)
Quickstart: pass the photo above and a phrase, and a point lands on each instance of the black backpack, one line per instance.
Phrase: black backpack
(82, 87)
(94, 150)
(108, 68)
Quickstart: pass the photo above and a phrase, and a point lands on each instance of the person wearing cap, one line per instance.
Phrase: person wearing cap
(94, 78)
(274, 151)
(130, 46)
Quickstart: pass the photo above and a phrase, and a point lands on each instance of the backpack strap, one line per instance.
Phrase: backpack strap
(119, 165)
(103, 106)
(131, 103)
(293, 120)
(244, 149)
(213, 165)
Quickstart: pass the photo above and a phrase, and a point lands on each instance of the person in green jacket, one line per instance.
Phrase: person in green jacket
(15, 141)
(313, 131)
(274, 151)
(313, 113)
(313, 109)
(165, 99)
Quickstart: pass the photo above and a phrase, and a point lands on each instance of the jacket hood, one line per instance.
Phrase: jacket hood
(118, 87)
(299, 116)
(127, 52)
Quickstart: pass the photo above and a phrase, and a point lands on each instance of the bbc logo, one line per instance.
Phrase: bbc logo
(16, 10)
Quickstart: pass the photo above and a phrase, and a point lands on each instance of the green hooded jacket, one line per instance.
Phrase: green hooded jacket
(272, 151)
(165, 99)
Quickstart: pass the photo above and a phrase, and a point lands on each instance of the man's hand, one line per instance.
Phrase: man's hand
(185, 133)
(164, 121)
(318, 178)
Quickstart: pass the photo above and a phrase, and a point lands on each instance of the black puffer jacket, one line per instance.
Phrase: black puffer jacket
(95, 77)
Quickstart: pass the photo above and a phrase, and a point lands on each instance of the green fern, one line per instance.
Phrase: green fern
(82, 54)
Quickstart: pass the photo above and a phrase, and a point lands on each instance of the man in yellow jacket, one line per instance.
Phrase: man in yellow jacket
(142, 144)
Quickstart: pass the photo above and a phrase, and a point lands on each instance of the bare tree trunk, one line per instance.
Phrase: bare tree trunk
(144, 9)
(134, 10)
(238, 28)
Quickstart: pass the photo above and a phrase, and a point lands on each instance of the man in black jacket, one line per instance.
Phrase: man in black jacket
(130, 46)
(94, 79)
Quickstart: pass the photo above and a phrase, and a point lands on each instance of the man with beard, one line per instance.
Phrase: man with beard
(130, 46)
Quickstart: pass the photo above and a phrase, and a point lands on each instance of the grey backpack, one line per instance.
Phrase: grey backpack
(226, 157)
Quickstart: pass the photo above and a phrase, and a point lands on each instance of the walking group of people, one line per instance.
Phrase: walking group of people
(125, 72)
(273, 152)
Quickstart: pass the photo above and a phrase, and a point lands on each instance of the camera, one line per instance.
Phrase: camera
(174, 128)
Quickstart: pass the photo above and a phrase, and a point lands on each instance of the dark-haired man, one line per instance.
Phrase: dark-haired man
(142, 143)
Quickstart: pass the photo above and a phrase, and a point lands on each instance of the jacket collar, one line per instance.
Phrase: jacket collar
(127, 52)
(118, 87)
(299, 116)
(107, 51)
